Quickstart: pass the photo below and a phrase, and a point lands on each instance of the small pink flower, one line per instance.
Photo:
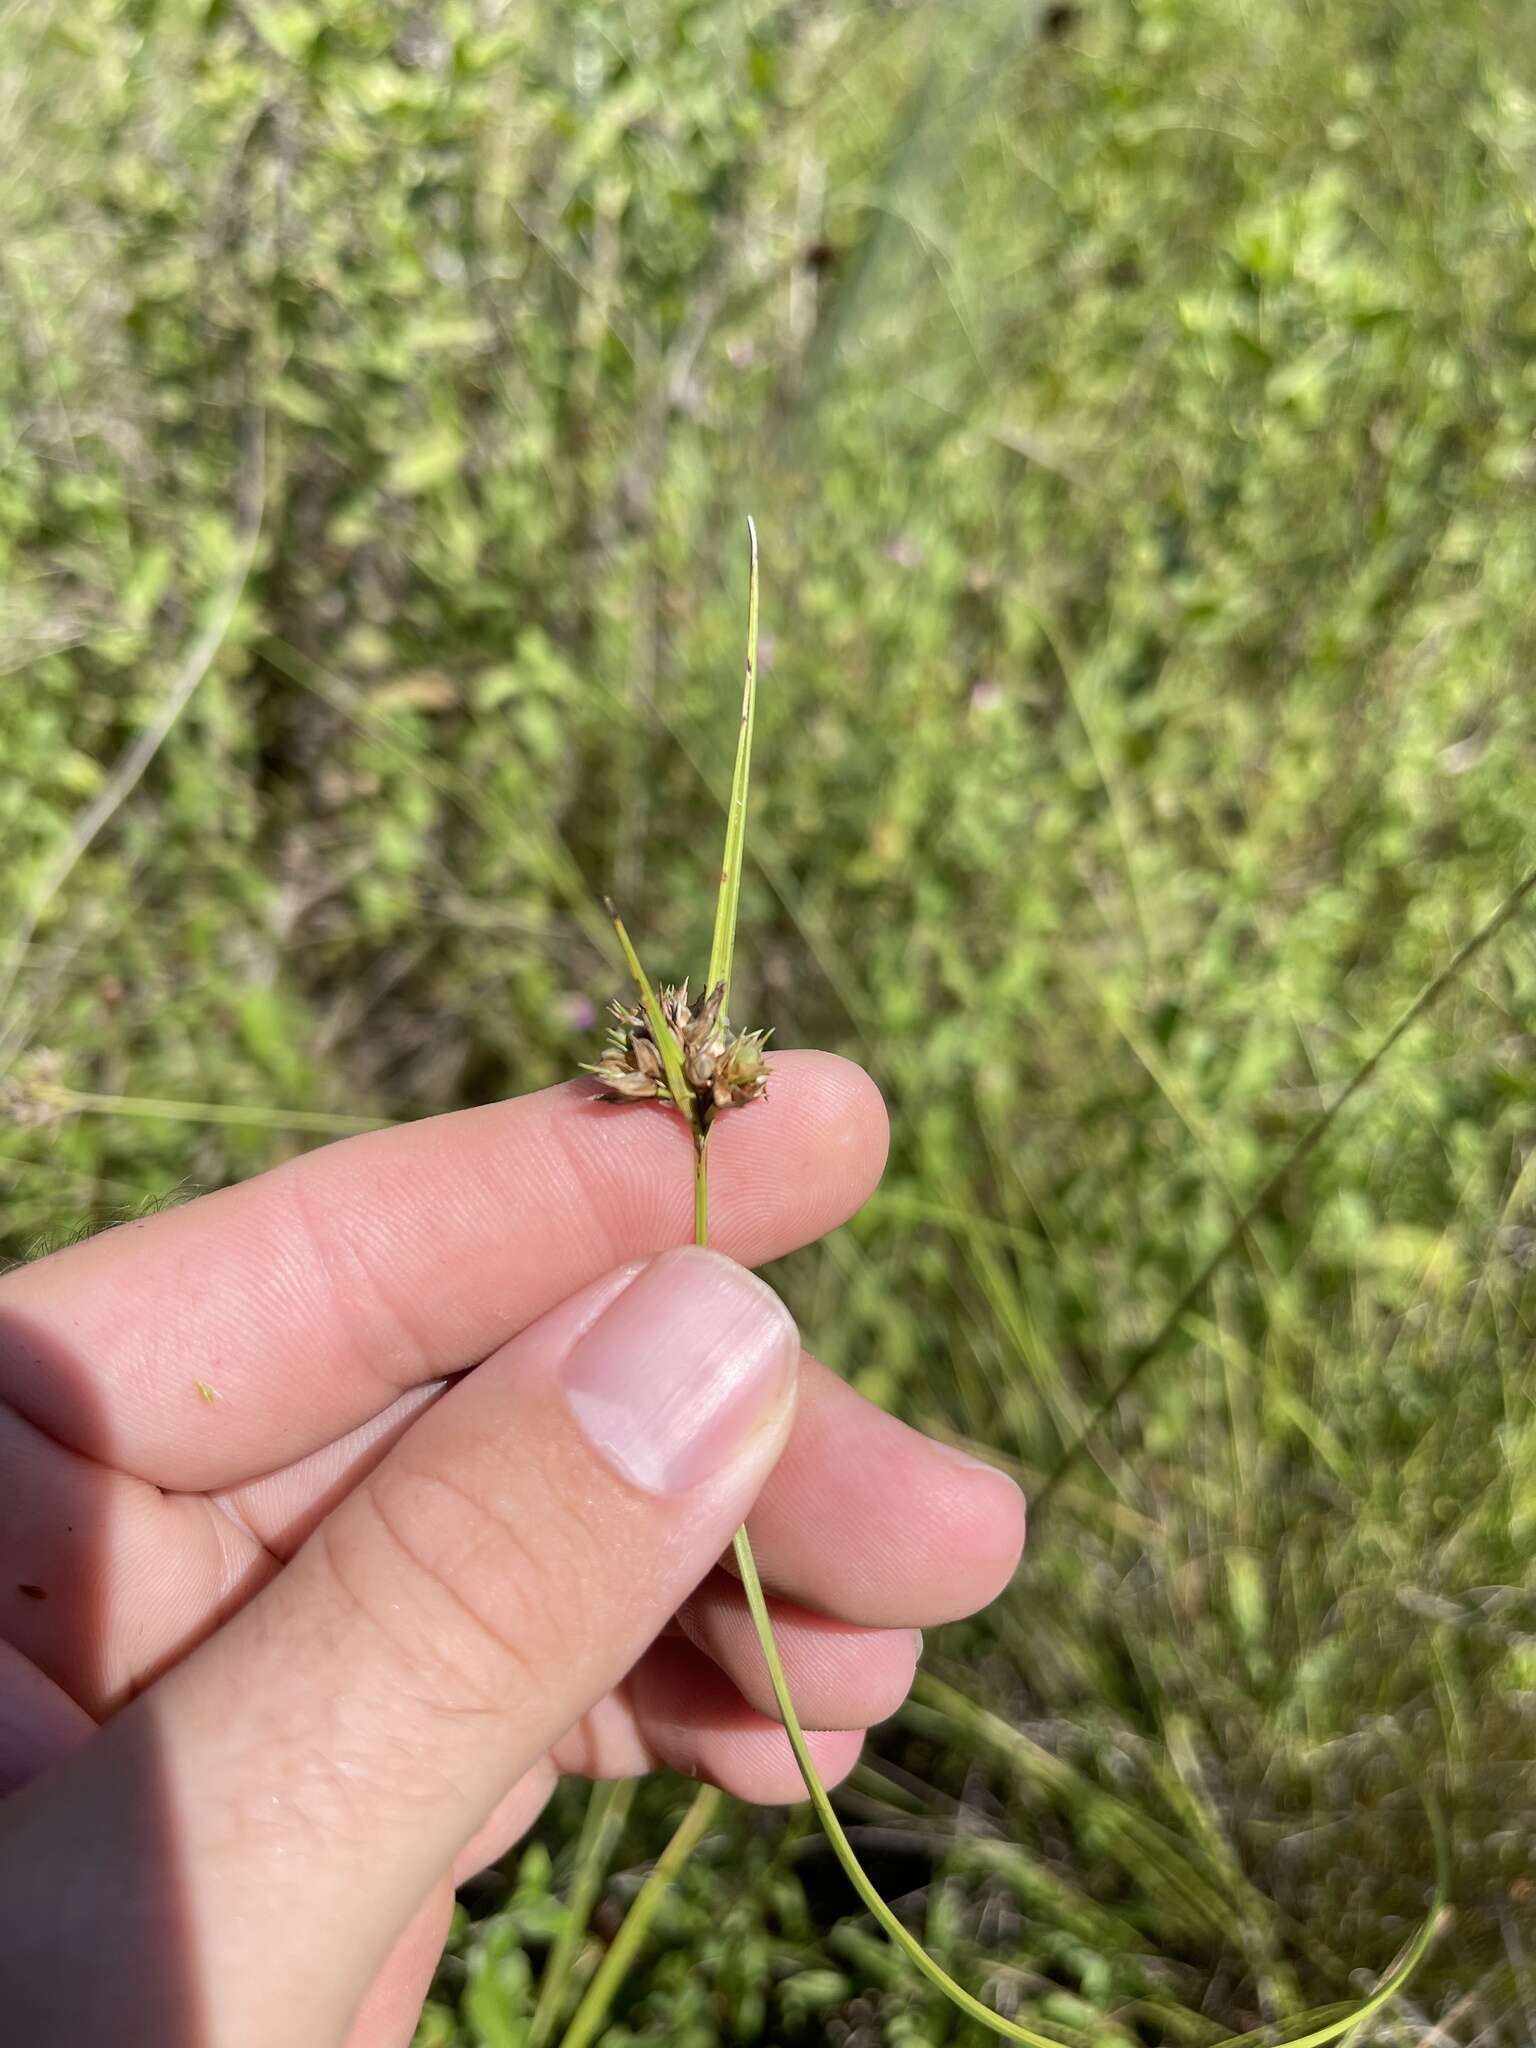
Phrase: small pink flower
(580, 1012)
(987, 695)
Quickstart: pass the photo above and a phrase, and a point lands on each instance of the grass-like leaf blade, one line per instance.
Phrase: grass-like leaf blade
(661, 1030)
(722, 949)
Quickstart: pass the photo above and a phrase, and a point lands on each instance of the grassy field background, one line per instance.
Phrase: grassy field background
(1137, 402)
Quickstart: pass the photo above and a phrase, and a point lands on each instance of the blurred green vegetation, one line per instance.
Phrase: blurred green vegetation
(1137, 401)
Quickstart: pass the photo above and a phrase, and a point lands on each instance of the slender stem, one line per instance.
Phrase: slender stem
(723, 947)
(1310, 1138)
(134, 762)
(905, 1940)
(607, 1811)
(746, 1565)
(609, 1974)
(701, 1188)
(257, 1115)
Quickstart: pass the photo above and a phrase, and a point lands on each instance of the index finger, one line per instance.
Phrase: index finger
(209, 1344)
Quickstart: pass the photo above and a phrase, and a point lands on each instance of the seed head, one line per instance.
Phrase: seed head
(27, 1095)
(723, 1070)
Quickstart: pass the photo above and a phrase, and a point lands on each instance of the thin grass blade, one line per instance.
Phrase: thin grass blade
(722, 949)
(592, 2012)
(607, 1811)
(661, 1031)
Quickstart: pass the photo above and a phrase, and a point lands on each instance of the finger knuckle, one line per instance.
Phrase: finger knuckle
(372, 1320)
(478, 1601)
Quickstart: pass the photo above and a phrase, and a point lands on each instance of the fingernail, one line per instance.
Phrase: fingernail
(676, 1379)
(953, 1455)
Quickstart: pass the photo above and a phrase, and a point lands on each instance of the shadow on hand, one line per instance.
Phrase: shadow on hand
(96, 1931)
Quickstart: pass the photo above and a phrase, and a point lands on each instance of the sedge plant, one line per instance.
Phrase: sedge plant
(666, 1050)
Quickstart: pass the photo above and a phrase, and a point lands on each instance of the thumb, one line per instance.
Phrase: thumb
(314, 1767)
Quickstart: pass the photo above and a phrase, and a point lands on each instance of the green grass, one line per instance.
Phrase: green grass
(1139, 419)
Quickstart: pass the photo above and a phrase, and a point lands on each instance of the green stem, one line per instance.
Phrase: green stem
(746, 1565)
(701, 1188)
(723, 946)
(609, 1974)
(905, 1940)
(256, 1115)
(607, 1811)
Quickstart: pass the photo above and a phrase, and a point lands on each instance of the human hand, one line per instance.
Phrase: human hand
(279, 1667)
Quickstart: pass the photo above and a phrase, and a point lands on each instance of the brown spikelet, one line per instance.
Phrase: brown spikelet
(723, 1070)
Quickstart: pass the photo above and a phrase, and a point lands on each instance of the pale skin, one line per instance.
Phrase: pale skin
(278, 1667)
